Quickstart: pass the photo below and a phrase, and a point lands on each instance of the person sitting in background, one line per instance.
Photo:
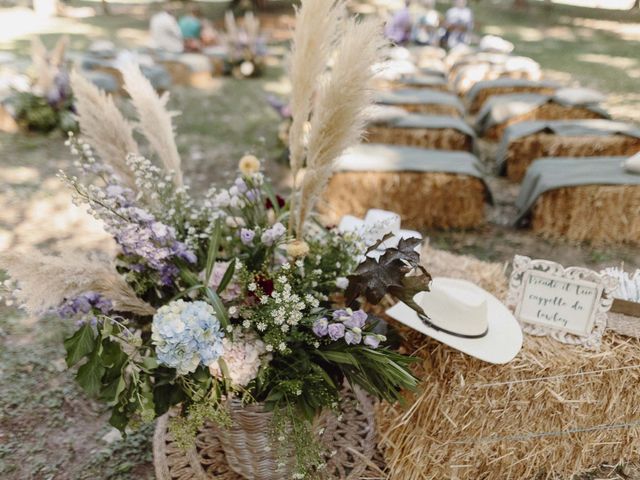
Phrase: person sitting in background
(426, 23)
(191, 29)
(165, 32)
(458, 22)
(398, 29)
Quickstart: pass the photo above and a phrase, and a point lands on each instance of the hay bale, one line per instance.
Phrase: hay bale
(8, 124)
(431, 109)
(486, 93)
(439, 139)
(522, 151)
(597, 214)
(548, 111)
(426, 101)
(422, 199)
(473, 420)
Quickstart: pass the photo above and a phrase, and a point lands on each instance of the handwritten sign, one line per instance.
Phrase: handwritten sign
(566, 305)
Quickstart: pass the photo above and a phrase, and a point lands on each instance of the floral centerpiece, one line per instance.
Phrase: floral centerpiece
(246, 47)
(48, 103)
(242, 300)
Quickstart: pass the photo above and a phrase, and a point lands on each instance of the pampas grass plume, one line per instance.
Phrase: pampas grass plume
(45, 281)
(154, 121)
(104, 127)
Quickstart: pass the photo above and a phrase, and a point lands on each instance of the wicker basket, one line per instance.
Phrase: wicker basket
(248, 446)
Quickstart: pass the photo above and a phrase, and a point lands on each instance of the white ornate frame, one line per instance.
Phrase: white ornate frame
(522, 264)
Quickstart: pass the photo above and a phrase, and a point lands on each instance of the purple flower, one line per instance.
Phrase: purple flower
(83, 304)
(356, 320)
(352, 337)
(372, 341)
(336, 331)
(270, 236)
(321, 327)
(340, 315)
(246, 236)
(240, 185)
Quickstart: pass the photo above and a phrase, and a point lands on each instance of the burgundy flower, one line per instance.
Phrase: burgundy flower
(269, 204)
(265, 284)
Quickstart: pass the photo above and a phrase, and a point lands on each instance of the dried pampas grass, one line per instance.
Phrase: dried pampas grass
(317, 24)
(340, 115)
(154, 120)
(45, 281)
(104, 127)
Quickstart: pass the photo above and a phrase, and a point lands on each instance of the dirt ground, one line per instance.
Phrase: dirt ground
(48, 428)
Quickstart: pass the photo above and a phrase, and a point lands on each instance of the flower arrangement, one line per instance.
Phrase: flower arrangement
(243, 295)
(246, 47)
(48, 103)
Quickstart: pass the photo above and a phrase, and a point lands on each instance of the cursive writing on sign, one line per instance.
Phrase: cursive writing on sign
(560, 303)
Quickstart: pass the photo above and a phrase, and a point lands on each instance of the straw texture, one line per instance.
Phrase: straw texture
(523, 151)
(470, 421)
(547, 111)
(430, 109)
(434, 138)
(486, 93)
(423, 200)
(597, 214)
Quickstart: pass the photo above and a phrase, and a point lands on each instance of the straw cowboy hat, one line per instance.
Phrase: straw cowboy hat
(465, 317)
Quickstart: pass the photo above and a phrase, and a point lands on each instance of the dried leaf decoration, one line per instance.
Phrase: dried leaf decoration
(397, 272)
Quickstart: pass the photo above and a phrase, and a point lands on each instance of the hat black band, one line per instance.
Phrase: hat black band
(429, 324)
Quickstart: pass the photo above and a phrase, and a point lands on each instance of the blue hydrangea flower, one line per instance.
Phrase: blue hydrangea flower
(187, 334)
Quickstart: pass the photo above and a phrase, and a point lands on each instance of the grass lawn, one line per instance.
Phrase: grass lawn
(48, 428)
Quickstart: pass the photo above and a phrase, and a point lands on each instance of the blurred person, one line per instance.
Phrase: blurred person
(191, 29)
(398, 29)
(165, 32)
(426, 23)
(458, 23)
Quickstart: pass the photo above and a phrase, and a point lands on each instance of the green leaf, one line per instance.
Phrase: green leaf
(112, 391)
(228, 275)
(119, 419)
(79, 344)
(89, 375)
(218, 306)
(212, 251)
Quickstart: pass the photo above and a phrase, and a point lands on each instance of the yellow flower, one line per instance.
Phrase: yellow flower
(249, 165)
(297, 248)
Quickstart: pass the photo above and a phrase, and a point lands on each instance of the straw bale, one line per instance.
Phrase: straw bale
(422, 199)
(181, 74)
(469, 420)
(434, 138)
(8, 124)
(597, 214)
(430, 109)
(486, 93)
(386, 85)
(115, 73)
(523, 151)
(466, 79)
(547, 111)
